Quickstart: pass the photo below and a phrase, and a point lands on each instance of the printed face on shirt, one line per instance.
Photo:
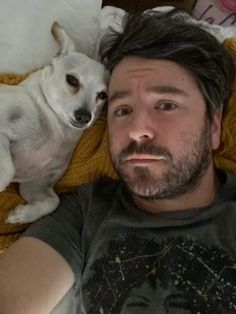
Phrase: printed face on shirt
(178, 275)
(160, 137)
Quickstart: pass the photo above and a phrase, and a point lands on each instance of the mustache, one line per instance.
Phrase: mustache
(145, 148)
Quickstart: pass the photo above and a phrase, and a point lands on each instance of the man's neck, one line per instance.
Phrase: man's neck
(201, 196)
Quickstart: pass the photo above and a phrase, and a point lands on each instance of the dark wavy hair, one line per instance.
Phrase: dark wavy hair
(171, 36)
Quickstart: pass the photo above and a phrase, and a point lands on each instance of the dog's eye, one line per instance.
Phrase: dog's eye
(72, 80)
(102, 95)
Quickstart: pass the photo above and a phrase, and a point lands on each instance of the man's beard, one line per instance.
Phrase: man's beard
(181, 176)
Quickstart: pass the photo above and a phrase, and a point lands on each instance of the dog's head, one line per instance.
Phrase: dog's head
(74, 85)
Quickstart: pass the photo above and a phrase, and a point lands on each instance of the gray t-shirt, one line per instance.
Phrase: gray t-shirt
(128, 261)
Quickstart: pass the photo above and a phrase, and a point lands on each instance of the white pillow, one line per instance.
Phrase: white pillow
(111, 17)
(25, 39)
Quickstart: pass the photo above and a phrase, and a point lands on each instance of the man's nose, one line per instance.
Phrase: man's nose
(140, 128)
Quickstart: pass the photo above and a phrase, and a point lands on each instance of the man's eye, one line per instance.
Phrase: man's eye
(121, 112)
(167, 106)
(72, 80)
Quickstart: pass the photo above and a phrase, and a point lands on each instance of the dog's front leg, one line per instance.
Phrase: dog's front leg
(7, 168)
(41, 199)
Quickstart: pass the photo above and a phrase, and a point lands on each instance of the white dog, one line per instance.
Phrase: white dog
(42, 119)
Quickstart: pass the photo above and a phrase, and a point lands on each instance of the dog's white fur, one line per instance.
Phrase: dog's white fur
(42, 119)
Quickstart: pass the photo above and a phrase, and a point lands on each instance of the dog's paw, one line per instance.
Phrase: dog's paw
(22, 214)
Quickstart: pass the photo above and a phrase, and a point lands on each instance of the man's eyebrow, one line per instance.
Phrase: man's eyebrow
(159, 89)
(119, 95)
(167, 89)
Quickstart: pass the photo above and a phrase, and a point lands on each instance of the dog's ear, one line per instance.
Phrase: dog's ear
(64, 41)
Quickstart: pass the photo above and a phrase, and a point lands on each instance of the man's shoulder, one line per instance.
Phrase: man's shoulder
(228, 190)
(98, 197)
(102, 186)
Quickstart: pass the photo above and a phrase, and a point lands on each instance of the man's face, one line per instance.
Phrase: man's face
(160, 137)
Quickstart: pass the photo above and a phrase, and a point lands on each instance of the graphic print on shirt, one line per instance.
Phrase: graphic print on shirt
(177, 276)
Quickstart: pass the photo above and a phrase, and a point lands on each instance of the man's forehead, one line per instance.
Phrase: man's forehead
(129, 69)
(137, 77)
(151, 72)
(133, 65)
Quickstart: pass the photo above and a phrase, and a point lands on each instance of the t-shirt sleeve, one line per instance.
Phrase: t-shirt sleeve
(62, 230)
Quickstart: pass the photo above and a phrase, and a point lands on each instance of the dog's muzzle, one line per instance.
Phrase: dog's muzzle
(82, 118)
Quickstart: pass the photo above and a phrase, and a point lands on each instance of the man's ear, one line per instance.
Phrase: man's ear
(216, 126)
(64, 41)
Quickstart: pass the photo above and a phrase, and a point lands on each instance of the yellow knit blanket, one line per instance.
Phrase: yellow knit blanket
(91, 159)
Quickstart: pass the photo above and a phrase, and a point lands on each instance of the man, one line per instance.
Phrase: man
(161, 240)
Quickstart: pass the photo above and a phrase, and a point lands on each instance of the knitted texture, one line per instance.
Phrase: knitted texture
(91, 159)
(225, 156)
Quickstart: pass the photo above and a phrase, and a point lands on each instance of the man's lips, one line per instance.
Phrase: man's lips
(142, 159)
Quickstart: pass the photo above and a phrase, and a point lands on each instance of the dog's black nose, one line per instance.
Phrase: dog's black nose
(82, 116)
